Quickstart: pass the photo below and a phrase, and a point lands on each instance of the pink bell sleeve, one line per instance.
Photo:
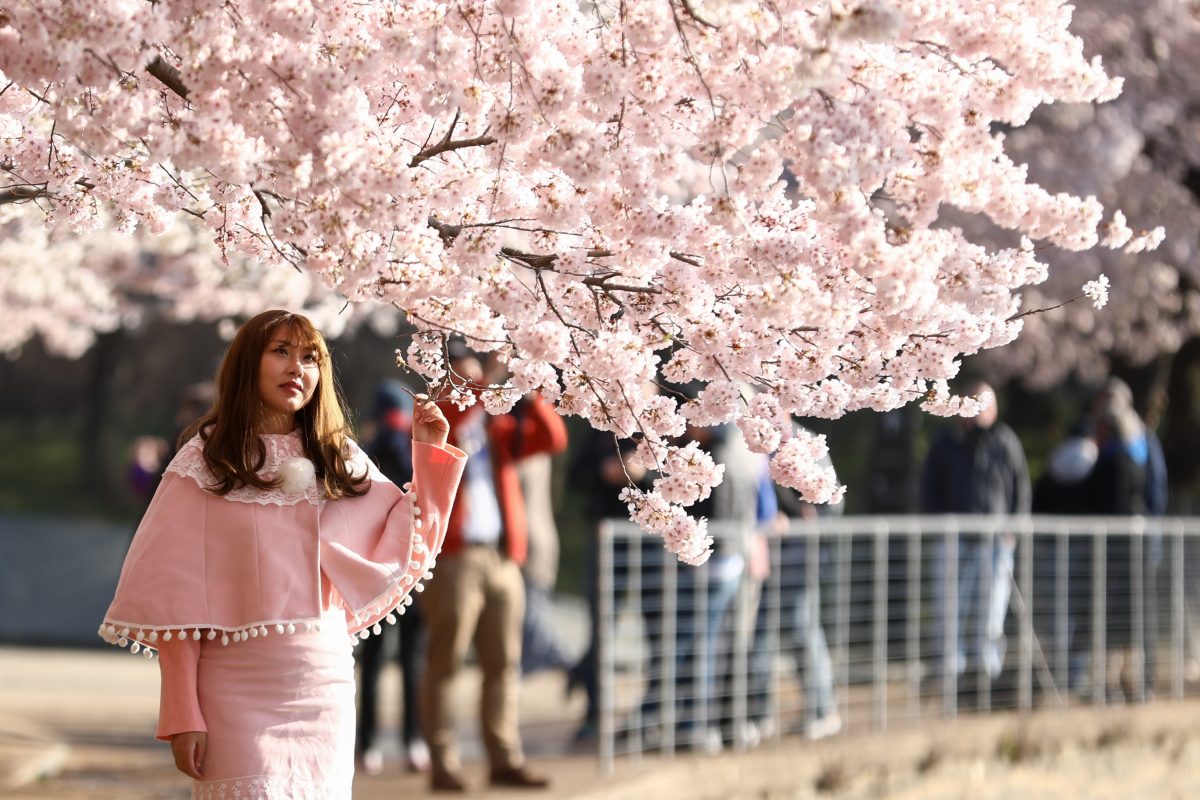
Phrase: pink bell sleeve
(179, 700)
(376, 549)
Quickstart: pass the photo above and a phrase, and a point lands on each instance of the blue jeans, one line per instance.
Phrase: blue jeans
(704, 595)
(799, 633)
(983, 591)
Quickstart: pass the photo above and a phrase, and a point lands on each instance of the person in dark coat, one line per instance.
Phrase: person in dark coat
(391, 449)
(1062, 571)
(976, 466)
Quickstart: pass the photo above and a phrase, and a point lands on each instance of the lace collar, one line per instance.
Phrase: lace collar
(285, 461)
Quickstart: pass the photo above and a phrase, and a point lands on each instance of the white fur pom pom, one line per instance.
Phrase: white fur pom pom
(296, 475)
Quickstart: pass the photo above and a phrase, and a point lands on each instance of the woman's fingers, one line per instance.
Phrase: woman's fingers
(430, 414)
(429, 424)
(188, 750)
(201, 749)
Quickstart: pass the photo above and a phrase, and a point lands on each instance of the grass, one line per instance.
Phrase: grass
(40, 473)
(1017, 746)
(833, 777)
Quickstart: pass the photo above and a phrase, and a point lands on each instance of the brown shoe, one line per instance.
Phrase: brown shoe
(446, 781)
(518, 778)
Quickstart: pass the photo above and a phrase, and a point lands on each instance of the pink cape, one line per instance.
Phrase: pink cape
(251, 563)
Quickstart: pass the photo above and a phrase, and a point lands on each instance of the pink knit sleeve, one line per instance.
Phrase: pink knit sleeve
(179, 701)
(377, 548)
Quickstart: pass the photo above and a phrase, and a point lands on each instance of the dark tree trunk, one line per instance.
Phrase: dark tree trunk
(1181, 428)
(96, 438)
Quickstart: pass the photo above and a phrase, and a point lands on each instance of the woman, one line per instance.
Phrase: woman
(270, 544)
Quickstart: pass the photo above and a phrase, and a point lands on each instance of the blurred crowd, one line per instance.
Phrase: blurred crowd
(492, 592)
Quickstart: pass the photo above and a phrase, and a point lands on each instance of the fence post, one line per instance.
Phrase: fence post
(812, 600)
(1062, 634)
(1025, 591)
(842, 605)
(774, 623)
(950, 625)
(670, 612)
(605, 634)
(1100, 617)
(745, 612)
(637, 601)
(988, 552)
(879, 625)
(1137, 587)
(1178, 631)
(912, 625)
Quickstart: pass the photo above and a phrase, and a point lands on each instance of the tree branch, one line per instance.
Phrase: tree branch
(1044, 310)
(690, 10)
(18, 194)
(546, 261)
(32, 191)
(447, 144)
(168, 76)
(685, 258)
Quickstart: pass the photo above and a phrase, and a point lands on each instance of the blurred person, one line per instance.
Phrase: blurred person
(704, 597)
(600, 467)
(795, 606)
(1117, 487)
(1138, 440)
(541, 647)
(147, 457)
(1064, 489)
(195, 401)
(975, 465)
(891, 485)
(270, 544)
(390, 448)
(477, 595)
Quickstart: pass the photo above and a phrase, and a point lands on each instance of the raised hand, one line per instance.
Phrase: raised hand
(429, 424)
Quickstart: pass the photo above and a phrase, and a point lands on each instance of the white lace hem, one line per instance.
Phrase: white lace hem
(270, 787)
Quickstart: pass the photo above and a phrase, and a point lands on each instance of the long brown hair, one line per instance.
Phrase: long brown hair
(232, 449)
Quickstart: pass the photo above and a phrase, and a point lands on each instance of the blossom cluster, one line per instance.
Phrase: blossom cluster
(1143, 152)
(733, 193)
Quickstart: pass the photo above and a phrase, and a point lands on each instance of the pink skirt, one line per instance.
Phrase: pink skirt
(280, 715)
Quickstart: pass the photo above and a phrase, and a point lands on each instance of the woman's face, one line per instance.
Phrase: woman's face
(288, 373)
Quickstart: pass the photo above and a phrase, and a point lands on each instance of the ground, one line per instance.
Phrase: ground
(84, 719)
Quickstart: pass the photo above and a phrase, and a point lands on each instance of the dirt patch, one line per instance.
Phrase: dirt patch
(1047, 755)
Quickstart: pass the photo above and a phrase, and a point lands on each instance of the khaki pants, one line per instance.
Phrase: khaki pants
(475, 596)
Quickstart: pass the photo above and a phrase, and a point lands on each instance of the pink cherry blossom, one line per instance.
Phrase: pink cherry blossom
(769, 200)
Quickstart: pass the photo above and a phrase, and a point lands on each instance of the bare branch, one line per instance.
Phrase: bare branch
(445, 147)
(168, 76)
(690, 10)
(546, 261)
(685, 258)
(448, 143)
(18, 194)
(32, 191)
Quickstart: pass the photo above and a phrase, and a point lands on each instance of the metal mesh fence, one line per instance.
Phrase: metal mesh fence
(866, 622)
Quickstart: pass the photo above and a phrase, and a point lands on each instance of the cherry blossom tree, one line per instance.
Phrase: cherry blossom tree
(1141, 151)
(595, 191)
(67, 287)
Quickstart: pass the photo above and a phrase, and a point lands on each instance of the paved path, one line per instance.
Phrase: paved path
(85, 719)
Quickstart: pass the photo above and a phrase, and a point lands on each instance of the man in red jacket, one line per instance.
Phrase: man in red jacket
(476, 594)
